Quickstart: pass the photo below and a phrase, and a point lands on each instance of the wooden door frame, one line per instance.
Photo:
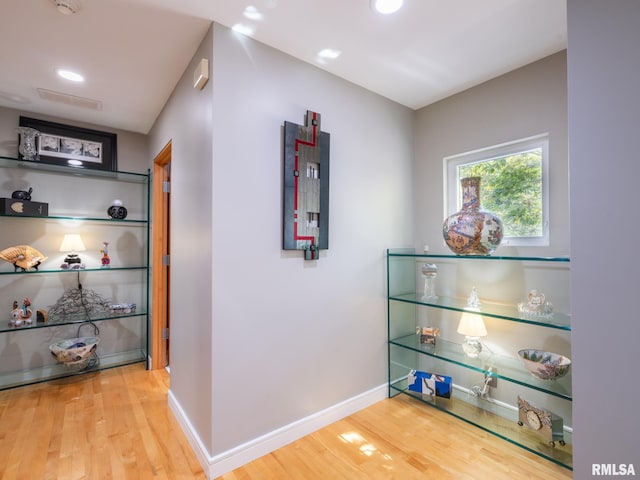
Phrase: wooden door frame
(159, 286)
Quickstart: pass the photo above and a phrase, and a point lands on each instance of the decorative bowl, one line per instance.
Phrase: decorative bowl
(74, 352)
(545, 365)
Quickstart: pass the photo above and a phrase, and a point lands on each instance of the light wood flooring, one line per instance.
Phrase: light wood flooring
(115, 424)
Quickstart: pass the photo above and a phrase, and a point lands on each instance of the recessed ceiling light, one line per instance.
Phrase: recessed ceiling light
(329, 53)
(252, 13)
(243, 29)
(69, 75)
(386, 6)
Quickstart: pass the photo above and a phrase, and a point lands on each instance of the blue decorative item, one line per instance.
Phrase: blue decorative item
(429, 384)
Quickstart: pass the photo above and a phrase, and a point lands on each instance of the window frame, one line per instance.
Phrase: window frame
(451, 181)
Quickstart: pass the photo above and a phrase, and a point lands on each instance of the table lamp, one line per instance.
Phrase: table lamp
(472, 327)
(72, 242)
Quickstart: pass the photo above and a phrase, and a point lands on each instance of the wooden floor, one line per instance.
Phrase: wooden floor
(115, 424)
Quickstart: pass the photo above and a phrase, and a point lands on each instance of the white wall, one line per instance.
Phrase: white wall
(603, 69)
(284, 338)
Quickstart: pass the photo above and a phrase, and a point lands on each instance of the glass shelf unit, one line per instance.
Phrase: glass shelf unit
(78, 200)
(120, 176)
(69, 270)
(70, 320)
(57, 371)
(499, 417)
(83, 219)
(560, 321)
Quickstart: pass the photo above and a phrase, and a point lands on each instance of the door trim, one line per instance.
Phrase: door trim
(159, 284)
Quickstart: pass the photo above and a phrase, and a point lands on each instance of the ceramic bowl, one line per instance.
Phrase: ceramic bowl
(545, 365)
(74, 351)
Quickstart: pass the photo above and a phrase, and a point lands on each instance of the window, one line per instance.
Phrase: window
(514, 186)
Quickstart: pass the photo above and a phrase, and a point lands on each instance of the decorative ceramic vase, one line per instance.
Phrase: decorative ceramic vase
(27, 147)
(472, 231)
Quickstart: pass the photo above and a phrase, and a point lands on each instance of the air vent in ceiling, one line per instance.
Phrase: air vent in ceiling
(69, 99)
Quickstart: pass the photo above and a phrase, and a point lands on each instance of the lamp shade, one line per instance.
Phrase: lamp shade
(72, 242)
(471, 325)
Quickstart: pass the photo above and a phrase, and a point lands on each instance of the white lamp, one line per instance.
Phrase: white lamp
(72, 242)
(472, 327)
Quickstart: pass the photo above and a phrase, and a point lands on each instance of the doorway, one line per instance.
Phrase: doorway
(160, 271)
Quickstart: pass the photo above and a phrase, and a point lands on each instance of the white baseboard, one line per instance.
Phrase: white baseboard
(224, 462)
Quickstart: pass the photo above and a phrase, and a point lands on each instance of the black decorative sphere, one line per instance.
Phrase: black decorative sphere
(117, 212)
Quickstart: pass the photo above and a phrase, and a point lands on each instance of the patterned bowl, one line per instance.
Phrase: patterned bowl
(74, 351)
(545, 365)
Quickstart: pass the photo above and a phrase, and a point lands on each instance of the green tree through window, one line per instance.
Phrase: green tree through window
(514, 185)
(511, 187)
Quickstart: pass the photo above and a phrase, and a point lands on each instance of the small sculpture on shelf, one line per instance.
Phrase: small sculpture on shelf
(21, 316)
(27, 146)
(117, 210)
(536, 306)
(105, 261)
(15, 320)
(429, 271)
(472, 300)
(79, 303)
(26, 313)
(428, 335)
(23, 257)
(22, 194)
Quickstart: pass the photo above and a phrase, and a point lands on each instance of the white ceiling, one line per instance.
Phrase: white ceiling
(132, 52)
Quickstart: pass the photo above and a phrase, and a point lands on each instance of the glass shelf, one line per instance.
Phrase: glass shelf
(409, 252)
(509, 369)
(493, 419)
(85, 219)
(70, 320)
(97, 269)
(59, 370)
(505, 312)
(9, 162)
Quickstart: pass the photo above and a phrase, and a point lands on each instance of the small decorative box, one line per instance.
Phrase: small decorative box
(429, 384)
(27, 208)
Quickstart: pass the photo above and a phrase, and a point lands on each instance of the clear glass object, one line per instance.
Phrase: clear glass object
(429, 271)
(27, 147)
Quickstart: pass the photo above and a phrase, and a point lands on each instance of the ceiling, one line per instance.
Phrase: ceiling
(133, 52)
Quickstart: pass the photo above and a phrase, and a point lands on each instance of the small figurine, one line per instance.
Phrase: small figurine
(22, 194)
(536, 306)
(106, 261)
(428, 335)
(15, 320)
(473, 301)
(26, 313)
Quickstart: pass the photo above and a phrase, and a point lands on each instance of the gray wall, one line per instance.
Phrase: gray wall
(261, 338)
(603, 70)
(186, 121)
(525, 102)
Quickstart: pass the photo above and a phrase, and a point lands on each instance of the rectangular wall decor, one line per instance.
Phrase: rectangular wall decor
(306, 187)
